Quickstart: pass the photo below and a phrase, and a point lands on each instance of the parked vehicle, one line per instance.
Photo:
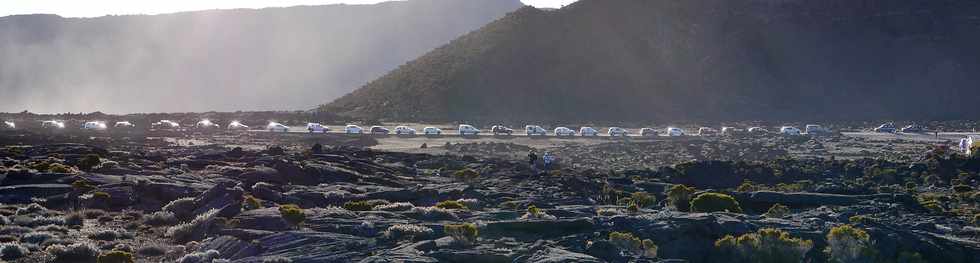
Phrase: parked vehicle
(9, 125)
(94, 125)
(353, 129)
(758, 130)
(886, 128)
(707, 131)
(816, 129)
(404, 130)
(675, 132)
(165, 125)
(535, 130)
(466, 129)
(277, 127)
(432, 131)
(123, 125)
(314, 127)
(378, 130)
(648, 132)
(617, 131)
(588, 131)
(53, 124)
(790, 130)
(500, 129)
(236, 125)
(564, 131)
(729, 130)
(914, 128)
(207, 124)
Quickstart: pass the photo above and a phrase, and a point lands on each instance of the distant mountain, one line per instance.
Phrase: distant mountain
(661, 60)
(226, 60)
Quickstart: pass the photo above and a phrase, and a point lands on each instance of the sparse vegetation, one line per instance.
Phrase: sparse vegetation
(365, 205)
(777, 211)
(715, 202)
(77, 252)
(116, 256)
(250, 203)
(12, 251)
(293, 214)
(181, 208)
(533, 212)
(404, 231)
(849, 244)
(633, 245)
(679, 197)
(765, 246)
(195, 229)
(464, 233)
(451, 204)
(89, 162)
(466, 175)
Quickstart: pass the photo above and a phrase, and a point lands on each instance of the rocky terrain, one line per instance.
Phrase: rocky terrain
(255, 198)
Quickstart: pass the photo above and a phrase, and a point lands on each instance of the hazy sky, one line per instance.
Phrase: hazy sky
(91, 8)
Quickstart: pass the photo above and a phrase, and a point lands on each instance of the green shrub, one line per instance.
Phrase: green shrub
(293, 214)
(764, 246)
(777, 211)
(933, 206)
(679, 197)
(961, 188)
(715, 202)
(451, 204)
(101, 196)
(632, 207)
(82, 186)
(633, 245)
(466, 174)
(910, 187)
(116, 256)
(89, 162)
(60, 168)
(252, 203)
(847, 244)
(643, 199)
(365, 205)
(860, 219)
(464, 233)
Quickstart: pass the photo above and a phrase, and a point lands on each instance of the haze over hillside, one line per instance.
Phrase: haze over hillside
(226, 60)
(666, 60)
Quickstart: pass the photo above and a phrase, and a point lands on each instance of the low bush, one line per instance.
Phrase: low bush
(37, 237)
(12, 251)
(777, 211)
(365, 205)
(715, 202)
(849, 244)
(160, 218)
(643, 199)
(33, 208)
(77, 252)
(181, 208)
(89, 162)
(403, 231)
(152, 250)
(433, 213)
(679, 197)
(860, 219)
(962, 188)
(116, 256)
(466, 175)
(93, 213)
(293, 214)
(200, 257)
(764, 246)
(251, 203)
(395, 207)
(107, 234)
(195, 229)
(60, 168)
(451, 204)
(533, 212)
(633, 245)
(463, 233)
(74, 219)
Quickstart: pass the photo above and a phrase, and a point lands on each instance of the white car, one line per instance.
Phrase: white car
(675, 132)
(237, 125)
(588, 131)
(758, 130)
(617, 131)
(9, 125)
(404, 130)
(353, 129)
(532, 130)
(432, 131)
(277, 127)
(53, 124)
(94, 125)
(165, 124)
(123, 125)
(816, 129)
(207, 124)
(379, 130)
(706, 131)
(564, 131)
(728, 130)
(313, 127)
(790, 130)
(648, 132)
(466, 129)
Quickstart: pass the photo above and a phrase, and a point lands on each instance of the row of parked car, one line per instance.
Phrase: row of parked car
(463, 129)
(891, 128)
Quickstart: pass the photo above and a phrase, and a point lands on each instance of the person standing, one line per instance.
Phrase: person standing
(531, 159)
(548, 159)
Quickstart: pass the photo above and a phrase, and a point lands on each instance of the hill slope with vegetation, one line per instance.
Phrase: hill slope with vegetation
(695, 60)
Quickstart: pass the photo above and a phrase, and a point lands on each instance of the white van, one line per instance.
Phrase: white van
(53, 125)
(729, 130)
(432, 131)
(617, 131)
(564, 131)
(316, 127)
(94, 125)
(758, 130)
(9, 125)
(588, 131)
(277, 127)
(645, 132)
(236, 125)
(532, 130)
(123, 125)
(353, 129)
(790, 130)
(165, 124)
(707, 131)
(206, 124)
(404, 130)
(816, 129)
(466, 129)
(674, 131)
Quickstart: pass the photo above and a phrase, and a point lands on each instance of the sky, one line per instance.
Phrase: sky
(94, 8)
